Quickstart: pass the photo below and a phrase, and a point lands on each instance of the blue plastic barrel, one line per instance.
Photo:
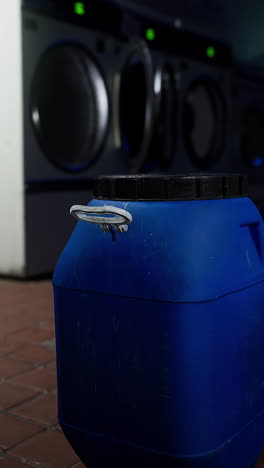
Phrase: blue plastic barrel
(159, 309)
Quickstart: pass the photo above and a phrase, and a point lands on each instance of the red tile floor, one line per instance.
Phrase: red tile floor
(29, 433)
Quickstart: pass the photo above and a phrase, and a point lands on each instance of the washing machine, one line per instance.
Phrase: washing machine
(97, 88)
(192, 114)
(58, 121)
(193, 126)
(108, 89)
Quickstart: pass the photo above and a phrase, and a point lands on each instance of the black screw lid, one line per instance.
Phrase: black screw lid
(171, 187)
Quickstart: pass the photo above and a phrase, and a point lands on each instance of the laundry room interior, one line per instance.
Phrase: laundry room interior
(179, 92)
(106, 104)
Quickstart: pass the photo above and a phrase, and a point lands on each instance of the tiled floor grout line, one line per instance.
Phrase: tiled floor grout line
(7, 456)
(21, 442)
(45, 392)
(27, 400)
(36, 389)
(37, 343)
(32, 421)
(29, 362)
(15, 384)
(34, 366)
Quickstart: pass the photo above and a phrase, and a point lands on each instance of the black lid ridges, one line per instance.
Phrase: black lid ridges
(171, 187)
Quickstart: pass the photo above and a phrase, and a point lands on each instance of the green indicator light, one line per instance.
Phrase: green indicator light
(79, 8)
(150, 34)
(210, 52)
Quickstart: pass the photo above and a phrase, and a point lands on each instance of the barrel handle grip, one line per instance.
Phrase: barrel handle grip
(119, 220)
(256, 232)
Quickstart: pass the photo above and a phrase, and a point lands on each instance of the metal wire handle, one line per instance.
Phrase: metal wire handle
(88, 214)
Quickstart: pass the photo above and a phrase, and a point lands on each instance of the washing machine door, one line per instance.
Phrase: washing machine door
(164, 135)
(69, 107)
(136, 104)
(204, 122)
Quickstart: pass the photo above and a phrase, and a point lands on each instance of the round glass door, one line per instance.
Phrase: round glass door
(204, 122)
(136, 105)
(69, 107)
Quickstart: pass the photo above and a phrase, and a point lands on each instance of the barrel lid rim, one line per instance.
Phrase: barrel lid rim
(162, 187)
